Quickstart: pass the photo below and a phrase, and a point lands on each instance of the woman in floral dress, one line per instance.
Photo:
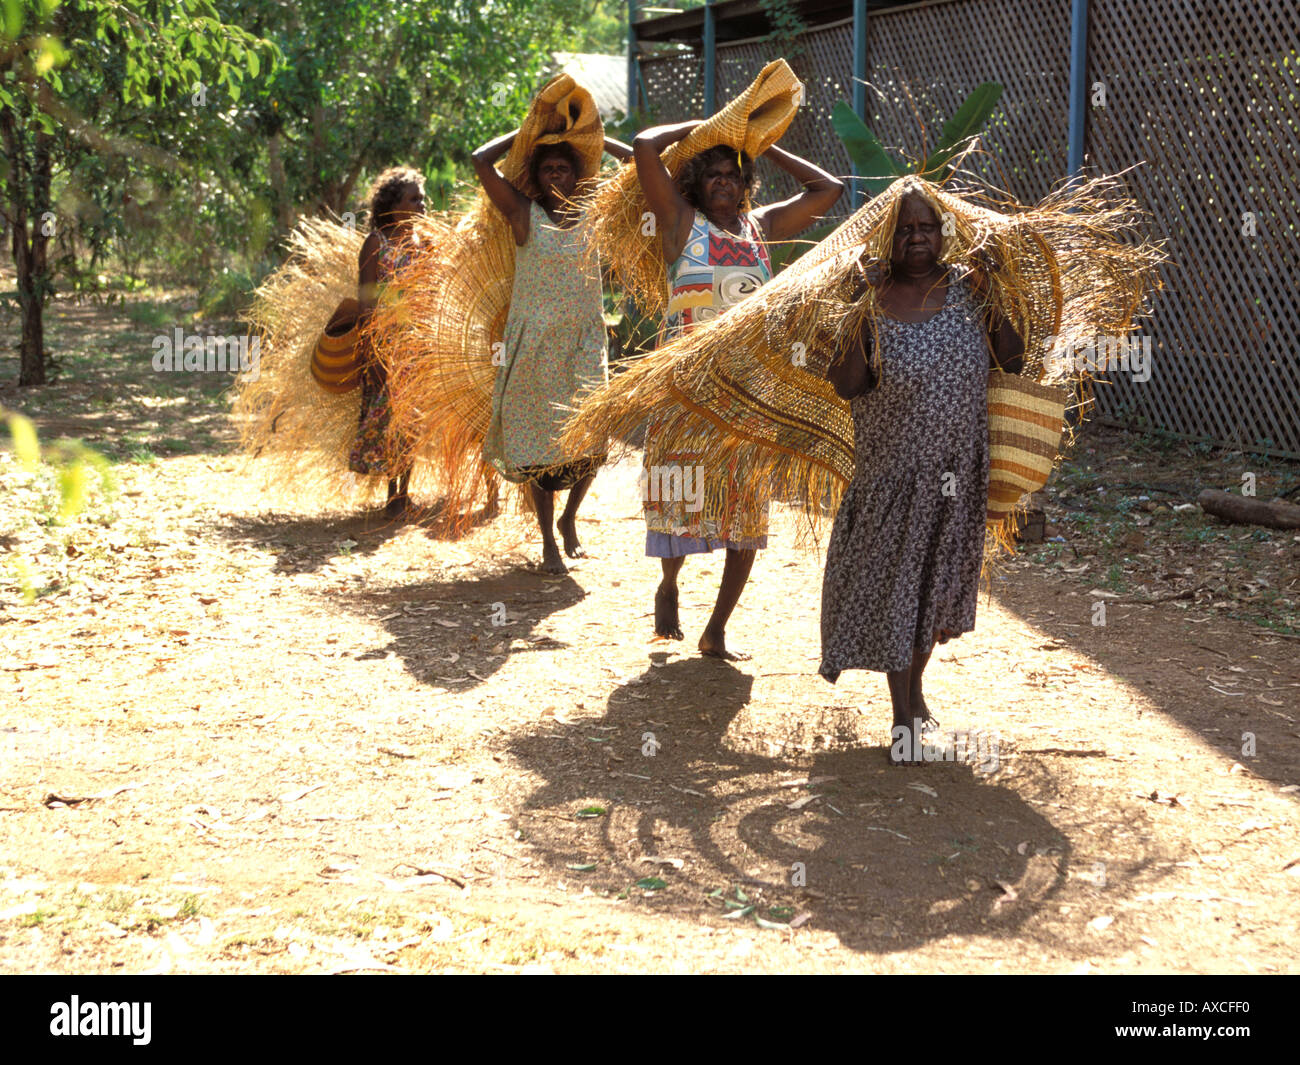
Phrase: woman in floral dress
(396, 198)
(715, 249)
(904, 559)
(555, 343)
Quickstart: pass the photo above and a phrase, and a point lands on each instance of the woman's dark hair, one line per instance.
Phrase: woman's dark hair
(688, 178)
(544, 151)
(387, 190)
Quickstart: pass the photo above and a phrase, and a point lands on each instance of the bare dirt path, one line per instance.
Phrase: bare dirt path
(315, 743)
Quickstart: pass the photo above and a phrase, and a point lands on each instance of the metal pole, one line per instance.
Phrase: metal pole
(1078, 84)
(710, 60)
(631, 57)
(859, 77)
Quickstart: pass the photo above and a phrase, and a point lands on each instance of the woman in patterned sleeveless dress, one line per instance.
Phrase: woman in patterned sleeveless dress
(396, 197)
(904, 559)
(715, 249)
(555, 344)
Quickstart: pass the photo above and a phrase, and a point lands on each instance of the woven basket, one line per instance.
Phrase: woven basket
(562, 111)
(336, 361)
(1025, 425)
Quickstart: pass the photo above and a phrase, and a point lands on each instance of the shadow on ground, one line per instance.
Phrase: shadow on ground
(887, 859)
(456, 634)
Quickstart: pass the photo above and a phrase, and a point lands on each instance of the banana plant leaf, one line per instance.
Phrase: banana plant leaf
(970, 118)
(876, 168)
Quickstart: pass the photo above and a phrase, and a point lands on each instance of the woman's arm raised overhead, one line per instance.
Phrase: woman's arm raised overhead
(672, 214)
(620, 151)
(505, 197)
(781, 221)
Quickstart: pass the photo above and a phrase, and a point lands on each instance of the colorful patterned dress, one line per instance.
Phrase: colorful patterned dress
(555, 350)
(690, 506)
(908, 541)
(375, 450)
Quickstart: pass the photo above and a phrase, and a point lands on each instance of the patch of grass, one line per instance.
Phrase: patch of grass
(117, 901)
(1115, 578)
(190, 906)
(152, 315)
(34, 919)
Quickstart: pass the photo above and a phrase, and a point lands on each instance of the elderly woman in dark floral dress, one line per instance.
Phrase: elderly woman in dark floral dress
(904, 559)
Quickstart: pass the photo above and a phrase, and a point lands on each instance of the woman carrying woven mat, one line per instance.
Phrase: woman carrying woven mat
(715, 248)
(905, 554)
(396, 198)
(555, 341)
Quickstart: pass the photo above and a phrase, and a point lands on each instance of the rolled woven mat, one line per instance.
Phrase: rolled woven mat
(752, 123)
(750, 386)
(561, 111)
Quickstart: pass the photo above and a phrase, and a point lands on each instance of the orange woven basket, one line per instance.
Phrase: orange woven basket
(336, 361)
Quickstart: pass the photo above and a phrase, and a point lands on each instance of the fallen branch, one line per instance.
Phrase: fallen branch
(73, 801)
(421, 871)
(1186, 594)
(1276, 514)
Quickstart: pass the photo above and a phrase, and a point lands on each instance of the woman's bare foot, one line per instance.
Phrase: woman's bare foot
(568, 526)
(551, 560)
(400, 508)
(905, 742)
(667, 623)
(714, 644)
(920, 711)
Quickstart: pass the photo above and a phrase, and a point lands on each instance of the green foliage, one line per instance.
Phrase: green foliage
(72, 461)
(970, 118)
(181, 139)
(876, 168)
(87, 90)
(73, 465)
(787, 26)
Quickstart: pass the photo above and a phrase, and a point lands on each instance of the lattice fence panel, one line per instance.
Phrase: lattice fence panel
(940, 53)
(1210, 105)
(674, 87)
(1205, 96)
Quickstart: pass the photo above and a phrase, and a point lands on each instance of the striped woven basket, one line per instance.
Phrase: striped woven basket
(336, 361)
(1025, 424)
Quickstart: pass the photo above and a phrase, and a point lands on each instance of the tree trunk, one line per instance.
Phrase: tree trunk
(284, 214)
(29, 254)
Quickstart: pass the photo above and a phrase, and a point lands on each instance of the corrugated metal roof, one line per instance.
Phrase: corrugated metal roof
(604, 76)
(739, 19)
